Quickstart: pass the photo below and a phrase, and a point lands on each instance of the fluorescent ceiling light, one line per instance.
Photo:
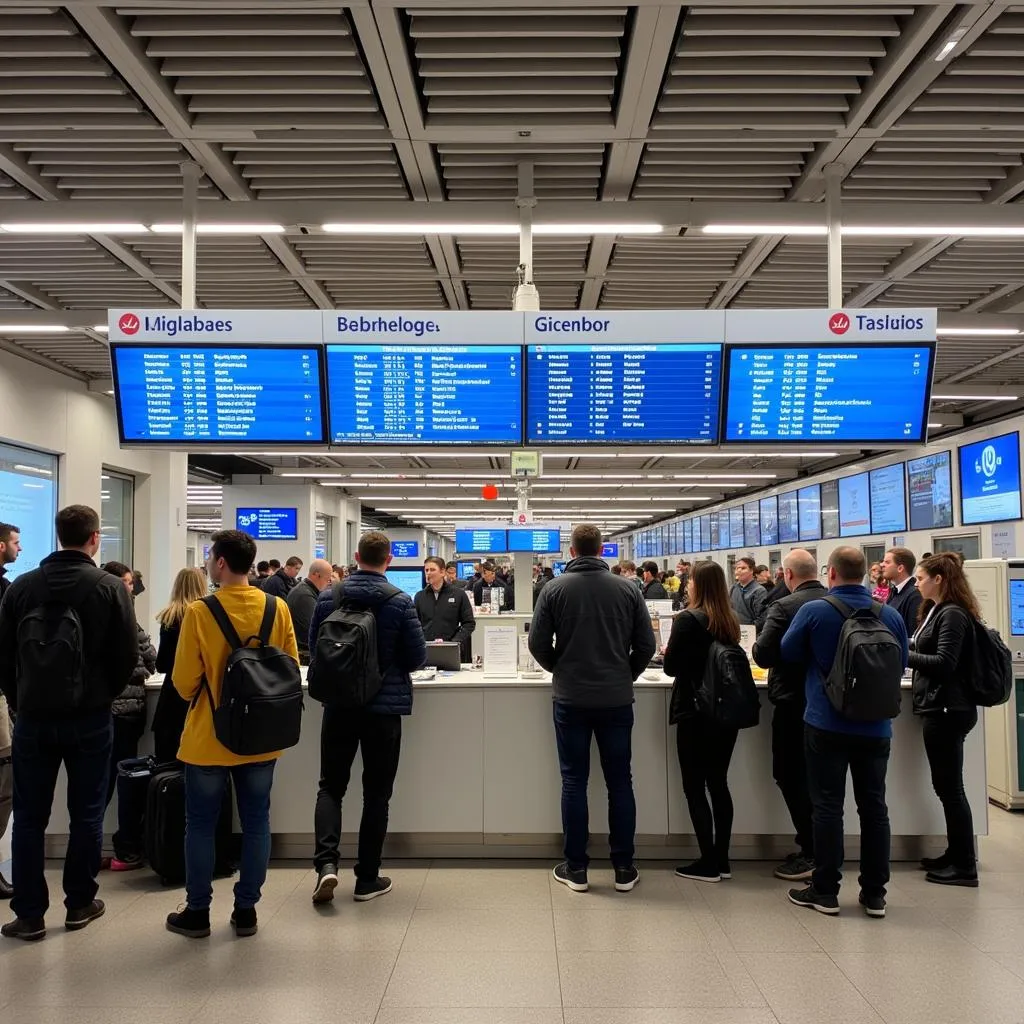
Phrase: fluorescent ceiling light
(764, 229)
(869, 230)
(34, 329)
(971, 397)
(704, 455)
(429, 228)
(101, 328)
(76, 229)
(221, 229)
(950, 44)
(977, 332)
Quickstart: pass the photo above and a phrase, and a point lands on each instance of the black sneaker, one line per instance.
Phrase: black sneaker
(935, 863)
(819, 901)
(874, 906)
(243, 920)
(625, 878)
(795, 868)
(193, 924)
(967, 877)
(6, 889)
(326, 883)
(27, 928)
(724, 870)
(365, 891)
(575, 880)
(699, 871)
(76, 920)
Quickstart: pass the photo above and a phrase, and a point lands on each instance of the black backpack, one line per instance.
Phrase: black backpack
(990, 681)
(51, 652)
(345, 671)
(727, 693)
(260, 709)
(867, 673)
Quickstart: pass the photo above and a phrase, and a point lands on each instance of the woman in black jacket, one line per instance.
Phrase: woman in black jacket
(704, 746)
(940, 655)
(169, 717)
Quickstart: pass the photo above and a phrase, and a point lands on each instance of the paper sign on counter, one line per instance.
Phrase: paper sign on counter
(501, 649)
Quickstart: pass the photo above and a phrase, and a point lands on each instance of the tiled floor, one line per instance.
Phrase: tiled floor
(486, 943)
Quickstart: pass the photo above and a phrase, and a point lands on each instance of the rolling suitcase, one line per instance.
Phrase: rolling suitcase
(165, 826)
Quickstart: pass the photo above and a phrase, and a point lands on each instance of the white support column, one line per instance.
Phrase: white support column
(161, 509)
(526, 296)
(834, 174)
(522, 563)
(190, 173)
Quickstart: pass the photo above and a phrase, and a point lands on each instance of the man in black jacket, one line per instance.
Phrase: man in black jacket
(63, 712)
(904, 597)
(490, 580)
(591, 630)
(302, 601)
(653, 589)
(281, 583)
(444, 611)
(786, 683)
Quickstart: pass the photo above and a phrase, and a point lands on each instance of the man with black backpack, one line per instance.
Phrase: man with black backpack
(68, 647)
(364, 641)
(856, 652)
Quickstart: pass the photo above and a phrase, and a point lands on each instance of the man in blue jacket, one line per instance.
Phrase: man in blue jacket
(376, 729)
(835, 744)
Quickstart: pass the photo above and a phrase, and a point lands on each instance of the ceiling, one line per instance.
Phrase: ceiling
(439, 102)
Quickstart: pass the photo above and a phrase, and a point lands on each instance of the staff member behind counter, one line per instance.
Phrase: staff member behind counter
(489, 580)
(444, 610)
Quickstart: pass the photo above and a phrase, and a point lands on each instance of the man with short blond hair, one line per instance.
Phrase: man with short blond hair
(302, 600)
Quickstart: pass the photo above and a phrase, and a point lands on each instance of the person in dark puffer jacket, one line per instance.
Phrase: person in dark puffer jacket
(129, 707)
(375, 729)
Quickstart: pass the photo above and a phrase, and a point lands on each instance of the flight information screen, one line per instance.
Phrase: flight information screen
(789, 517)
(425, 394)
(752, 524)
(624, 394)
(269, 394)
(930, 488)
(827, 393)
(809, 512)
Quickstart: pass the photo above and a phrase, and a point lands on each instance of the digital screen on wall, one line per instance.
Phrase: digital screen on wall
(28, 500)
(716, 532)
(827, 393)
(724, 529)
(854, 506)
(930, 492)
(705, 533)
(736, 526)
(888, 499)
(465, 570)
(410, 580)
(481, 542)
(751, 524)
(769, 521)
(537, 542)
(623, 394)
(425, 394)
(990, 480)
(809, 512)
(405, 549)
(1016, 607)
(609, 550)
(268, 523)
(195, 394)
(789, 518)
(688, 537)
(830, 510)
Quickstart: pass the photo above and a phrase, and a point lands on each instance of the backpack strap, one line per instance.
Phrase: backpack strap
(223, 621)
(388, 590)
(842, 607)
(269, 618)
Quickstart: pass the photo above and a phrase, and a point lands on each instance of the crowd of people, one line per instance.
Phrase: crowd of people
(74, 661)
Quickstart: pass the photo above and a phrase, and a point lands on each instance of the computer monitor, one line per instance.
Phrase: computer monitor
(406, 578)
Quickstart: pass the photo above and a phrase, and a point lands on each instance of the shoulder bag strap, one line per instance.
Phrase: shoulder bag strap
(840, 606)
(876, 609)
(269, 618)
(223, 621)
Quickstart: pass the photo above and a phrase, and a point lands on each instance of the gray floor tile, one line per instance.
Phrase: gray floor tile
(24, 1014)
(469, 1015)
(908, 988)
(803, 988)
(648, 979)
(437, 978)
(657, 928)
(455, 886)
(480, 928)
(778, 930)
(669, 1015)
(903, 928)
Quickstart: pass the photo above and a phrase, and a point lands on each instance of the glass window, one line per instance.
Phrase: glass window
(969, 545)
(117, 514)
(28, 500)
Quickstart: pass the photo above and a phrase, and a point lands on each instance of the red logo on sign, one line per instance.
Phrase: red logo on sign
(839, 323)
(128, 324)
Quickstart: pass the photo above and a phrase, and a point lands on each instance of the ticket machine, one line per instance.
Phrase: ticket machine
(999, 586)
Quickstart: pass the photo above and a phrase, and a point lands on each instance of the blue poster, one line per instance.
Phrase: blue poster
(990, 480)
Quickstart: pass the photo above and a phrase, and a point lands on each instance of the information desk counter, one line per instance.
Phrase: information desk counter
(479, 777)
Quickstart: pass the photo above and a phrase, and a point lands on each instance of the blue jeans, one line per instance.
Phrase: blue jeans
(613, 729)
(204, 794)
(41, 745)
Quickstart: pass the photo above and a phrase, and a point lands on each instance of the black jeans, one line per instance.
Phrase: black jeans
(829, 756)
(379, 738)
(128, 730)
(944, 735)
(789, 769)
(613, 730)
(705, 750)
(40, 747)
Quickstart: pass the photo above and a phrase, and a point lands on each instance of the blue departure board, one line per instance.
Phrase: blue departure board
(537, 542)
(736, 526)
(789, 518)
(623, 394)
(268, 523)
(425, 394)
(266, 394)
(829, 393)
(481, 542)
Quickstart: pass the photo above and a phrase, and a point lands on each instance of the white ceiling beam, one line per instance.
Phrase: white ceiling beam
(104, 28)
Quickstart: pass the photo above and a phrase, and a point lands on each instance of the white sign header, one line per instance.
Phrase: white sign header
(244, 326)
(655, 326)
(412, 327)
(744, 326)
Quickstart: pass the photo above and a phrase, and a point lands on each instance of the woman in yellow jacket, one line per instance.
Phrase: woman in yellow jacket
(203, 653)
